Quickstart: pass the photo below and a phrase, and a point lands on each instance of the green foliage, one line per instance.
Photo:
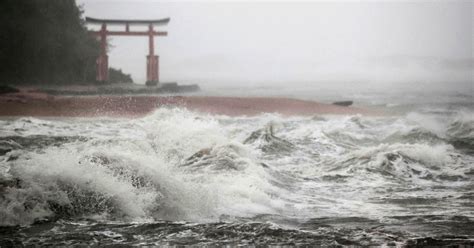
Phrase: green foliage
(45, 41)
(117, 76)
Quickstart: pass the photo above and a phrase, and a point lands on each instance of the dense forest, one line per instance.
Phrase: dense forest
(46, 42)
(117, 76)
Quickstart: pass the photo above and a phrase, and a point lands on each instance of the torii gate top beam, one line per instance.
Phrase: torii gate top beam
(119, 21)
(152, 59)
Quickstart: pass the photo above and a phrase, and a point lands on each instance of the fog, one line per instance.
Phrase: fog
(307, 43)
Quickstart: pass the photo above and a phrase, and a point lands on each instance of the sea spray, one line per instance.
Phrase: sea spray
(293, 172)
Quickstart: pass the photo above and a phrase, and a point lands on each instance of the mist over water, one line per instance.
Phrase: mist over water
(177, 177)
(365, 43)
(394, 97)
(180, 177)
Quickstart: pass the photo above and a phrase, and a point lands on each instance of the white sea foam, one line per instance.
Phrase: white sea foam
(298, 167)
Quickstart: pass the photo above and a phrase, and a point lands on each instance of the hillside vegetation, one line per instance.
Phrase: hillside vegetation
(46, 42)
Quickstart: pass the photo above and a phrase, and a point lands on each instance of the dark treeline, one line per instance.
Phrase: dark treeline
(45, 42)
(117, 76)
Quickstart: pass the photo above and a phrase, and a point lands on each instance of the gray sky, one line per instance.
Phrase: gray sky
(278, 42)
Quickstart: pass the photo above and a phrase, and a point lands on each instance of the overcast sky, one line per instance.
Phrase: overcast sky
(270, 42)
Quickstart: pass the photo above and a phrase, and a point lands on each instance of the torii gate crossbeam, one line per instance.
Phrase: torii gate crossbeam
(152, 59)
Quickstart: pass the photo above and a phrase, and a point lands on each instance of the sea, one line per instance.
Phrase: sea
(174, 178)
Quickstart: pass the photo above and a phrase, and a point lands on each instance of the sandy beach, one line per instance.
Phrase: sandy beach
(30, 103)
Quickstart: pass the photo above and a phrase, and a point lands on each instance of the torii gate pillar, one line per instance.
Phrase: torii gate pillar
(152, 60)
(102, 61)
(152, 73)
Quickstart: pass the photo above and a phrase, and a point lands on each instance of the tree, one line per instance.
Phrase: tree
(117, 76)
(45, 41)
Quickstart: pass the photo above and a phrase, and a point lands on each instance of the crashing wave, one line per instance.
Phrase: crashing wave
(415, 135)
(461, 134)
(69, 183)
(267, 141)
(226, 157)
(155, 168)
(404, 162)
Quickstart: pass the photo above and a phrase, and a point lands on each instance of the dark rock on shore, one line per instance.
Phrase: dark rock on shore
(343, 103)
(151, 83)
(5, 89)
(161, 88)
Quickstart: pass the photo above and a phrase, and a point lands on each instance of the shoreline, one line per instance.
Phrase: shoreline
(38, 104)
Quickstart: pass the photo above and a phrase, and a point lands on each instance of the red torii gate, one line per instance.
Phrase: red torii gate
(152, 60)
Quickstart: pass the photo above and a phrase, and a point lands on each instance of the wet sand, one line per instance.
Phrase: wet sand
(40, 104)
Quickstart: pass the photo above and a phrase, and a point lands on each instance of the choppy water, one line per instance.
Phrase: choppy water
(182, 178)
